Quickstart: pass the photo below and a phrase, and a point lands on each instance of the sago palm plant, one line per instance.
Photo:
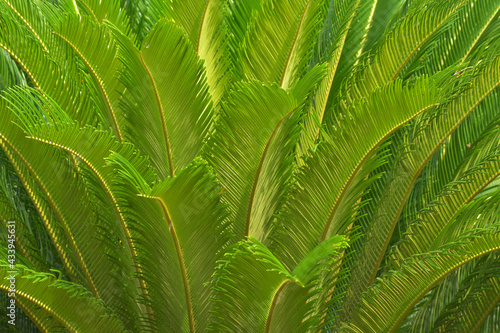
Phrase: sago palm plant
(250, 165)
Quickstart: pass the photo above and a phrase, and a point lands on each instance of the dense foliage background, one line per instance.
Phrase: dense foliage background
(250, 165)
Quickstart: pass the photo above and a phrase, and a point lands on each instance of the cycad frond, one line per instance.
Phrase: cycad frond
(277, 304)
(69, 303)
(420, 273)
(335, 163)
(251, 165)
(257, 119)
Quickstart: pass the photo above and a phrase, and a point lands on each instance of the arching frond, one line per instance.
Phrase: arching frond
(100, 11)
(417, 276)
(279, 39)
(81, 35)
(177, 76)
(397, 191)
(286, 302)
(250, 152)
(66, 302)
(59, 184)
(335, 164)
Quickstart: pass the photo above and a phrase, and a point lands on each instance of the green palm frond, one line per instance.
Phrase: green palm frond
(69, 304)
(333, 34)
(23, 45)
(257, 119)
(75, 239)
(10, 73)
(396, 193)
(281, 28)
(391, 58)
(475, 298)
(177, 75)
(81, 34)
(197, 222)
(143, 14)
(17, 206)
(27, 13)
(155, 252)
(278, 304)
(335, 164)
(420, 273)
(466, 36)
(238, 18)
(479, 170)
(100, 11)
(212, 47)
(250, 165)
(159, 124)
(367, 15)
